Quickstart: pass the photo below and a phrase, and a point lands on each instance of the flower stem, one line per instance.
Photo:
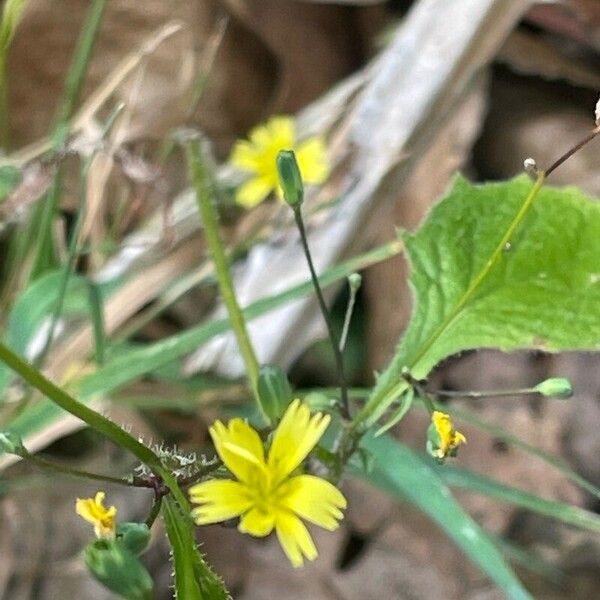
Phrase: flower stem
(203, 186)
(484, 394)
(588, 138)
(339, 358)
(71, 472)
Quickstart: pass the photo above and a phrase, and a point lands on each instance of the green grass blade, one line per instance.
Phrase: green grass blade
(403, 474)
(141, 361)
(573, 515)
(556, 462)
(44, 216)
(12, 11)
(135, 363)
(97, 318)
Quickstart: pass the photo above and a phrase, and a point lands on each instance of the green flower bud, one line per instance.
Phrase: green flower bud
(290, 178)
(317, 401)
(11, 443)
(135, 536)
(557, 387)
(118, 569)
(355, 281)
(274, 391)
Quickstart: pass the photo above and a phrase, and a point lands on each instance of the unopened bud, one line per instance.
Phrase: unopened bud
(274, 391)
(290, 178)
(118, 569)
(556, 387)
(530, 167)
(355, 281)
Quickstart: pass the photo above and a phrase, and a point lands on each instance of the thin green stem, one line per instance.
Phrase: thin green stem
(154, 511)
(335, 344)
(473, 395)
(348, 317)
(204, 195)
(82, 474)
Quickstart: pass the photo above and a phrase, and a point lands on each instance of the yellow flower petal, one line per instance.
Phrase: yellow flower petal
(94, 512)
(253, 191)
(257, 522)
(239, 447)
(282, 132)
(220, 500)
(294, 538)
(315, 500)
(244, 156)
(312, 160)
(449, 438)
(296, 435)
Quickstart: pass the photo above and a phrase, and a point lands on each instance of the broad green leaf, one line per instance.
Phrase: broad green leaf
(194, 580)
(540, 289)
(405, 475)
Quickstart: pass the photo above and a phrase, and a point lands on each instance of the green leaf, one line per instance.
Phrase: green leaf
(36, 304)
(402, 473)
(493, 266)
(194, 580)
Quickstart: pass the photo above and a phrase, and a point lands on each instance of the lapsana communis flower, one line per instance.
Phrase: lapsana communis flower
(257, 156)
(443, 439)
(267, 495)
(102, 518)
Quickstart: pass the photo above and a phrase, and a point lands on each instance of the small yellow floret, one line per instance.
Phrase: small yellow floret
(266, 495)
(102, 518)
(257, 156)
(449, 438)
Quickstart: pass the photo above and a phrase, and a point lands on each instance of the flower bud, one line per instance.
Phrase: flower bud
(557, 387)
(355, 281)
(317, 401)
(290, 178)
(118, 569)
(274, 391)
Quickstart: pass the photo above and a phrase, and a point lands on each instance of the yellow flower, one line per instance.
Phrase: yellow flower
(102, 518)
(443, 438)
(266, 495)
(258, 154)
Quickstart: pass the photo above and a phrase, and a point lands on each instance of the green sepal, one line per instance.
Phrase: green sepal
(118, 569)
(274, 391)
(402, 410)
(135, 536)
